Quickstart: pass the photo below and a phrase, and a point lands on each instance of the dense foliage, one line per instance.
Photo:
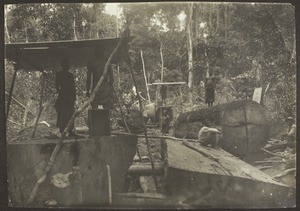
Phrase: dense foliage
(245, 45)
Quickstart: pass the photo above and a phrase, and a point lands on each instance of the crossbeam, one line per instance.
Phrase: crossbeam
(166, 83)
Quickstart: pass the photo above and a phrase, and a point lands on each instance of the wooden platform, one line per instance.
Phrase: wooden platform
(27, 161)
(221, 180)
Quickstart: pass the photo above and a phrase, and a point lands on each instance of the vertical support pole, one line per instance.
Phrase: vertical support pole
(146, 81)
(109, 185)
(16, 68)
(246, 127)
(26, 112)
(162, 63)
(40, 106)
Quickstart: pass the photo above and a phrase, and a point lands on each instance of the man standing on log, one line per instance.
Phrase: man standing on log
(64, 105)
(95, 69)
(209, 90)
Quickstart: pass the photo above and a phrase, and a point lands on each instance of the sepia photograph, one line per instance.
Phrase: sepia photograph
(183, 105)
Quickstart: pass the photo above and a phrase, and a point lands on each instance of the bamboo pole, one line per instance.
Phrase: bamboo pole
(20, 104)
(146, 81)
(286, 172)
(16, 68)
(162, 63)
(109, 185)
(26, 112)
(40, 106)
(42, 178)
(275, 154)
(121, 110)
(141, 110)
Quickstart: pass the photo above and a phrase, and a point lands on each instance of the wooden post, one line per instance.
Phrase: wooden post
(40, 106)
(162, 63)
(16, 68)
(26, 112)
(246, 128)
(109, 185)
(144, 70)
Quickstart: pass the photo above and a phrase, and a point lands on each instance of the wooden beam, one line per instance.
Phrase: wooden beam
(142, 195)
(167, 83)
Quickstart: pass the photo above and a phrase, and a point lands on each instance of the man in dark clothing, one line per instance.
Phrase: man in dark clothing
(163, 94)
(64, 105)
(165, 119)
(209, 90)
(95, 69)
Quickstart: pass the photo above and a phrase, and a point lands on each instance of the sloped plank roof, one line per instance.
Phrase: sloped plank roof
(48, 55)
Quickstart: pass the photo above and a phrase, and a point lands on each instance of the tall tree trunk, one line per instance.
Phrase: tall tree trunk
(74, 27)
(162, 62)
(190, 52)
(210, 8)
(218, 18)
(7, 37)
(225, 21)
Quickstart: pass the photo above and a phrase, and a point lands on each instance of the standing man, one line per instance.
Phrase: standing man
(95, 69)
(291, 136)
(64, 105)
(166, 119)
(209, 90)
(163, 94)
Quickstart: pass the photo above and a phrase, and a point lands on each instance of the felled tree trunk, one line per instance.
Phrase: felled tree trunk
(244, 125)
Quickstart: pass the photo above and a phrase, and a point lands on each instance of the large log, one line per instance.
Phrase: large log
(244, 125)
(145, 168)
(27, 161)
(227, 182)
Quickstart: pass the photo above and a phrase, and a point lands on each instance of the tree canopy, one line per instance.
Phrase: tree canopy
(244, 45)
